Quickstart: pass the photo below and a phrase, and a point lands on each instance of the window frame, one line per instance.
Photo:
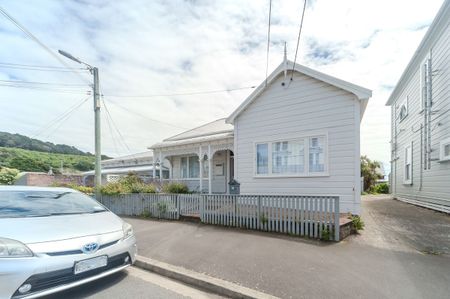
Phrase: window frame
(442, 145)
(408, 181)
(188, 177)
(404, 103)
(306, 172)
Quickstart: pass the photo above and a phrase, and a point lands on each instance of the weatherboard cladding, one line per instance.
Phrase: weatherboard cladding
(436, 180)
(305, 107)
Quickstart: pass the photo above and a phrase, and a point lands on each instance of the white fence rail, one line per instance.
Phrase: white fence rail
(312, 216)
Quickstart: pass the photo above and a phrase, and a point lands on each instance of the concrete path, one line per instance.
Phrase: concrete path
(386, 261)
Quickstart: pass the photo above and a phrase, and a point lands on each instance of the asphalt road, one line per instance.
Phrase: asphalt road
(402, 253)
(133, 283)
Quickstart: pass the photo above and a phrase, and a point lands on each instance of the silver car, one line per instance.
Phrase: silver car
(52, 239)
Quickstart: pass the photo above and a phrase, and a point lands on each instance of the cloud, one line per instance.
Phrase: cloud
(166, 47)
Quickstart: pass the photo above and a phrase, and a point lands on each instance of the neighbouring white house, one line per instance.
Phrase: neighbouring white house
(139, 163)
(420, 113)
(296, 136)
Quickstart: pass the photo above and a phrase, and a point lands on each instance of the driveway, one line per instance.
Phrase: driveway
(387, 260)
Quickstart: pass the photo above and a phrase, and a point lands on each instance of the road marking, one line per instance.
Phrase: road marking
(169, 284)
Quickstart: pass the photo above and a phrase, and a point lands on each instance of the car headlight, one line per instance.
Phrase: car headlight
(127, 230)
(12, 248)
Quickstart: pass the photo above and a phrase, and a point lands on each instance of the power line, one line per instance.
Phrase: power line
(298, 39)
(40, 68)
(45, 88)
(20, 82)
(179, 94)
(36, 40)
(117, 129)
(60, 118)
(146, 117)
(111, 131)
(268, 40)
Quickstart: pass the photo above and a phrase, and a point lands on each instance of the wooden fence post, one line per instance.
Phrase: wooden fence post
(336, 219)
(177, 200)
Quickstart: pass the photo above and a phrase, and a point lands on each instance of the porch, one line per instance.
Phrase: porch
(201, 158)
(207, 170)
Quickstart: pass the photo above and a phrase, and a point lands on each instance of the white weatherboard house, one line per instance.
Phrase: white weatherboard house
(298, 137)
(420, 112)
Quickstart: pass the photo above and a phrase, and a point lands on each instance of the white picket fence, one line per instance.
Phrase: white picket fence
(146, 204)
(312, 216)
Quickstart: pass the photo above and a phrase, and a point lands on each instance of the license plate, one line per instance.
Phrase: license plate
(90, 264)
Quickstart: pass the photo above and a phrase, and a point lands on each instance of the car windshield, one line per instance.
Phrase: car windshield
(15, 204)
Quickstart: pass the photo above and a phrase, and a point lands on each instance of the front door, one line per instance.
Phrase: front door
(219, 173)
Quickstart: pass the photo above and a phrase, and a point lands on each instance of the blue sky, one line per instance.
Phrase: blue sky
(167, 47)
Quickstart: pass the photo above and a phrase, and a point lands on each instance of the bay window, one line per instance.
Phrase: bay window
(316, 154)
(298, 157)
(288, 157)
(262, 158)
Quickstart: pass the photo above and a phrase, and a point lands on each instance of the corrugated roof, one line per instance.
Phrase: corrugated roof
(146, 154)
(125, 169)
(193, 140)
(215, 127)
(214, 130)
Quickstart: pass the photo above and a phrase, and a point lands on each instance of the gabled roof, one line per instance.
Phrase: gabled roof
(360, 92)
(433, 33)
(214, 130)
(215, 127)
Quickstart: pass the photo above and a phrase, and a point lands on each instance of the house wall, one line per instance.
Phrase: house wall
(430, 185)
(306, 107)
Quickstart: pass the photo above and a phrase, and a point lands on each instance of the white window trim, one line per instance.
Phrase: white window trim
(405, 181)
(306, 172)
(443, 143)
(403, 103)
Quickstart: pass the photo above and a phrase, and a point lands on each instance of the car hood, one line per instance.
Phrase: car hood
(53, 228)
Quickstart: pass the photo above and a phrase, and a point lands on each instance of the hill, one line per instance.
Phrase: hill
(24, 142)
(27, 160)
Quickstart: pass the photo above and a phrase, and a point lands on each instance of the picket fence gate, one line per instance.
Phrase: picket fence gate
(311, 216)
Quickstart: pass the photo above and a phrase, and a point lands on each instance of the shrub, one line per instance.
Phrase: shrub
(8, 175)
(131, 183)
(83, 189)
(326, 234)
(162, 208)
(175, 188)
(358, 224)
(380, 188)
(113, 189)
(142, 188)
(146, 214)
(131, 179)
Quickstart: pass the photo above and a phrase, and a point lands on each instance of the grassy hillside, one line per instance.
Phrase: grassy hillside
(24, 142)
(28, 160)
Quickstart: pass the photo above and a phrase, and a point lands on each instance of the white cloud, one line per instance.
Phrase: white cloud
(163, 47)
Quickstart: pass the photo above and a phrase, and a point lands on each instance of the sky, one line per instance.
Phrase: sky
(164, 48)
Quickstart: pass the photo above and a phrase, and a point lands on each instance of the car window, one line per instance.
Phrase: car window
(46, 203)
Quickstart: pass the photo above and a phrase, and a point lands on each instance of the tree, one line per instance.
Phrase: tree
(370, 172)
(8, 175)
